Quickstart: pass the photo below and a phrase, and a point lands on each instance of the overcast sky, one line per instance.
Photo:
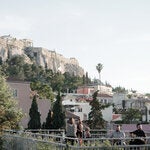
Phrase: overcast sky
(115, 33)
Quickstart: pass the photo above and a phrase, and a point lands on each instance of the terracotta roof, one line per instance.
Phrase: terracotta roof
(71, 115)
(104, 95)
(116, 117)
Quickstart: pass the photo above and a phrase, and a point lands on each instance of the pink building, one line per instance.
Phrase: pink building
(22, 93)
(85, 90)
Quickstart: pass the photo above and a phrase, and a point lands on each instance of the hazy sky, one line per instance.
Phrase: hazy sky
(115, 33)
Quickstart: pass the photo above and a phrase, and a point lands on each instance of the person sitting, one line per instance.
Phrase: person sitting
(87, 134)
(71, 130)
(138, 133)
(118, 135)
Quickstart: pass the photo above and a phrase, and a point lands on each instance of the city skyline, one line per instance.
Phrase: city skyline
(113, 33)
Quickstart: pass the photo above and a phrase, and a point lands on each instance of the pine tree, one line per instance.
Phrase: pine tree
(48, 124)
(58, 113)
(10, 115)
(35, 122)
(95, 116)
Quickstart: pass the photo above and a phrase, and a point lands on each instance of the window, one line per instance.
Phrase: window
(35, 54)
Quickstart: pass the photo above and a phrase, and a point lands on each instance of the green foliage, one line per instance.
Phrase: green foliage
(57, 81)
(34, 122)
(43, 80)
(86, 78)
(15, 67)
(95, 116)
(49, 120)
(45, 146)
(28, 72)
(71, 82)
(43, 89)
(119, 89)
(99, 67)
(58, 113)
(10, 115)
(131, 115)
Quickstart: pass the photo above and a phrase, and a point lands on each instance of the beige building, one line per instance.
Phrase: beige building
(92, 88)
(22, 92)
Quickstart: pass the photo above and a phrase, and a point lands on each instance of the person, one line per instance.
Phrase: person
(79, 132)
(118, 136)
(87, 134)
(79, 129)
(71, 130)
(139, 133)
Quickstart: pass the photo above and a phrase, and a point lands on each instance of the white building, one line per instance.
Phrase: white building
(118, 98)
(142, 104)
(105, 98)
(82, 109)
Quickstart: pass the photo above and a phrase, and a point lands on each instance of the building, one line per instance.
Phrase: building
(141, 104)
(118, 99)
(105, 98)
(80, 109)
(83, 108)
(22, 93)
(92, 88)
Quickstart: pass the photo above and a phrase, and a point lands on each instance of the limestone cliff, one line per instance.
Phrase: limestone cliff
(10, 46)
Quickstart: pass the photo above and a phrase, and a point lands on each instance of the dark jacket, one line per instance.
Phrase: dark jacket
(139, 133)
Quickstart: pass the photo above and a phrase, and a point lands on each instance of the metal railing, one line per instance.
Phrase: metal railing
(27, 140)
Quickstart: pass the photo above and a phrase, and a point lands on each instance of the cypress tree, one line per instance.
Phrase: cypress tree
(48, 124)
(34, 122)
(95, 116)
(58, 113)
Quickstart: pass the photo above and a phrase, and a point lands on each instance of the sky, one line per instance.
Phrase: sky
(115, 33)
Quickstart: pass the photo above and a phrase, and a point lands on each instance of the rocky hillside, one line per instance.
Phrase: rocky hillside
(10, 46)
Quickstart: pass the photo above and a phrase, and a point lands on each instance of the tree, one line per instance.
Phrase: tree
(34, 122)
(71, 82)
(57, 81)
(15, 67)
(84, 80)
(49, 123)
(95, 116)
(58, 113)
(10, 115)
(131, 115)
(99, 68)
(27, 72)
(119, 89)
(87, 79)
(43, 89)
